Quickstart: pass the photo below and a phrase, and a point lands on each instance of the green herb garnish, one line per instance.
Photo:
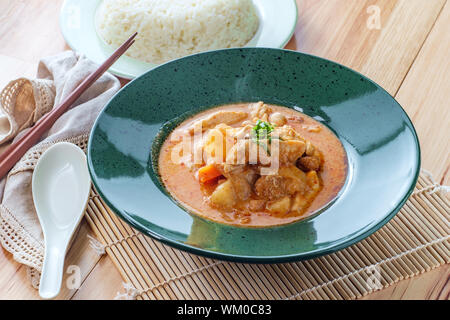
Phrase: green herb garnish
(261, 131)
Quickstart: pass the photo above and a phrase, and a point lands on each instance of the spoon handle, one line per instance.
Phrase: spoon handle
(52, 272)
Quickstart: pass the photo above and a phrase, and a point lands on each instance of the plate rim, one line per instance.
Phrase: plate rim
(127, 75)
(272, 258)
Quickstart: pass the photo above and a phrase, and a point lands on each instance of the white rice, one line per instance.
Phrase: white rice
(169, 29)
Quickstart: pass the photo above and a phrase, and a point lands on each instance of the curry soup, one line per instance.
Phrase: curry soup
(298, 165)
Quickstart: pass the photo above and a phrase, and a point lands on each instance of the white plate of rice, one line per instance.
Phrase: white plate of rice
(170, 29)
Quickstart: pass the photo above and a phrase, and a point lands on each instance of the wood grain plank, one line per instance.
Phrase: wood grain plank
(433, 285)
(337, 30)
(13, 68)
(425, 96)
(15, 283)
(104, 282)
(29, 29)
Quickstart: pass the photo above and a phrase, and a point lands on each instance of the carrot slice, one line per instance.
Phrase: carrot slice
(208, 173)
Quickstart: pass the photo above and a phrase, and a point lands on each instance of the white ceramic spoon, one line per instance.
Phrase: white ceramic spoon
(60, 187)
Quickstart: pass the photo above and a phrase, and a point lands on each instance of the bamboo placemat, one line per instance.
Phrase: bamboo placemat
(416, 240)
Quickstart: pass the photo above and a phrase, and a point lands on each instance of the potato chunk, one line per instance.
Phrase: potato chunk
(313, 180)
(296, 179)
(281, 206)
(291, 150)
(299, 203)
(224, 196)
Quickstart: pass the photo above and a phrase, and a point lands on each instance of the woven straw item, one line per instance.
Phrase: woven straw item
(416, 240)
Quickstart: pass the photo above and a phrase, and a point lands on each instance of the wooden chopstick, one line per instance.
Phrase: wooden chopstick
(15, 151)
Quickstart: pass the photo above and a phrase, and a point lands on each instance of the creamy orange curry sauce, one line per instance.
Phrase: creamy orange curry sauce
(253, 165)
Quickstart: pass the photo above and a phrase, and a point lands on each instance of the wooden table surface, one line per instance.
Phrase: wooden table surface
(403, 45)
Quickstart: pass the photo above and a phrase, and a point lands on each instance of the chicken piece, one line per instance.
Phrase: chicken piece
(290, 151)
(296, 119)
(286, 132)
(295, 179)
(312, 128)
(246, 151)
(251, 176)
(219, 117)
(256, 205)
(260, 152)
(241, 186)
(238, 153)
(277, 119)
(260, 111)
(243, 132)
(281, 206)
(309, 149)
(264, 152)
(242, 179)
(230, 168)
(270, 187)
(224, 197)
(216, 144)
(309, 163)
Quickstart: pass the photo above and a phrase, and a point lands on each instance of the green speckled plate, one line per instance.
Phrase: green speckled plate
(380, 141)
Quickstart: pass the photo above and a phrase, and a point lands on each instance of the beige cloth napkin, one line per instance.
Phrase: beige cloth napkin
(23, 102)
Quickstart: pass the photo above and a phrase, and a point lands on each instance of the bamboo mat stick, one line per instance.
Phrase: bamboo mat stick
(205, 278)
(199, 278)
(288, 270)
(426, 233)
(280, 286)
(388, 241)
(118, 232)
(359, 281)
(320, 276)
(122, 252)
(142, 253)
(345, 270)
(259, 281)
(304, 279)
(415, 241)
(340, 287)
(237, 267)
(406, 262)
(225, 289)
(404, 245)
(110, 251)
(241, 293)
(170, 266)
(395, 265)
(335, 291)
(407, 234)
(117, 251)
(388, 269)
